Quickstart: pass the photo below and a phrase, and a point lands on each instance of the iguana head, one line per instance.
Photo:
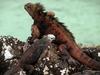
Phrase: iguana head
(34, 9)
(37, 11)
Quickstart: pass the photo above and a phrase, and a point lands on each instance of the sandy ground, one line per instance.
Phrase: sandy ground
(81, 16)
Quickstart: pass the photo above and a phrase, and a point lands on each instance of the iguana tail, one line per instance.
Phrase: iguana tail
(78, 54)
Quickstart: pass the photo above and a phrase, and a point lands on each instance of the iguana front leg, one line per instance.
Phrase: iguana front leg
(65, 55)
(35, 33)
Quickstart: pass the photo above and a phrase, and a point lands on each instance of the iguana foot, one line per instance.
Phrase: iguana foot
(66, 56)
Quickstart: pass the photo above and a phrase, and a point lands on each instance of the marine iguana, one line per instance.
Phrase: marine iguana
(48, 24)
(31, 55)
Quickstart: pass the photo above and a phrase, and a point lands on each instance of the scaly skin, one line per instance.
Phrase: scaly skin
(30, 57)
(35, 50)
(35, 32)
(48, 24)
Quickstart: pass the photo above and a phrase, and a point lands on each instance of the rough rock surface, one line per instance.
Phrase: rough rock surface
(51, 62)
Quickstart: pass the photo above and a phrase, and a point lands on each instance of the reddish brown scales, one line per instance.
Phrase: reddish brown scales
(35, 32)
(50, 24)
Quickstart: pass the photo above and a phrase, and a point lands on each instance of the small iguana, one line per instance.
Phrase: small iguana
(48, 24)
(31, 55)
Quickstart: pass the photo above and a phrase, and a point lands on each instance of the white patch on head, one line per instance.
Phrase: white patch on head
(51, 37)
(98, 54)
